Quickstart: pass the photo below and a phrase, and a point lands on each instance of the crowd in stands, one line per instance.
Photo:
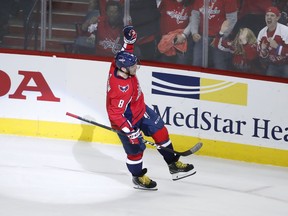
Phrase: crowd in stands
(243, 35)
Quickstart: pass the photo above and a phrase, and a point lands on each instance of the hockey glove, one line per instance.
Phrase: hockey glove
(135, 136)
(130, 35)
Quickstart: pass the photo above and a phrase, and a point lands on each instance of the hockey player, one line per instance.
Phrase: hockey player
(128, 113)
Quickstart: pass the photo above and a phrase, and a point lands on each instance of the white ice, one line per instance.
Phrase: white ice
(48, 177)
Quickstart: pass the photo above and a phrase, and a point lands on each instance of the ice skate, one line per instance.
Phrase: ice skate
(181, 170)
(143, 182)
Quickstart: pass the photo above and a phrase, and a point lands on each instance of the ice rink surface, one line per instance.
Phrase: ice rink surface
(47, 177)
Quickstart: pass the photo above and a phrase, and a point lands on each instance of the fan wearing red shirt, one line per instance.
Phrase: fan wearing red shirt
(108, 42)
(128, 113)
(218, 12)
(175, 14)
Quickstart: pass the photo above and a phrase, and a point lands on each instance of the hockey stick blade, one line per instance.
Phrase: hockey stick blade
(194, 149)
(190, 151)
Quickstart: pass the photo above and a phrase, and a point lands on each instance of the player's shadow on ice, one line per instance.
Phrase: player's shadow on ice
(102, 159)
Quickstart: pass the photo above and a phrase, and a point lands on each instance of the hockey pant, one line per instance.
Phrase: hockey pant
(151, 125)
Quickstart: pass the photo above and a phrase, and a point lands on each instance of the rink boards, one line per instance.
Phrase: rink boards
(236, 118)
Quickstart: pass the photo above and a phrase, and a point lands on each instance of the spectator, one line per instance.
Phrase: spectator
(218, 12)
(145, 19)
(273, 44)
(85, 42)
(175, 16)
(243, 49)
(109, 29)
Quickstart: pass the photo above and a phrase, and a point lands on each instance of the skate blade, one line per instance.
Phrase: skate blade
(138, 187)
(178, 176)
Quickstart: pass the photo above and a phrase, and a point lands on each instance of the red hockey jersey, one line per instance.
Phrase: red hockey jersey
(124, 100)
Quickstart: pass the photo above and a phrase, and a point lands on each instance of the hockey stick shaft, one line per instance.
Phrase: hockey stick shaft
(186, 153)
(93, 122)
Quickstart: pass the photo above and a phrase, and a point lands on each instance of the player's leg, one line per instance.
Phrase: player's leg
(134, 164)
(153, 125)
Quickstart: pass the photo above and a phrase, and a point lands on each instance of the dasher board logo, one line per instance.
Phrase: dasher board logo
(199, 88)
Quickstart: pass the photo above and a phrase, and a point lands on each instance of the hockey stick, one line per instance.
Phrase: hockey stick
(194, 149)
